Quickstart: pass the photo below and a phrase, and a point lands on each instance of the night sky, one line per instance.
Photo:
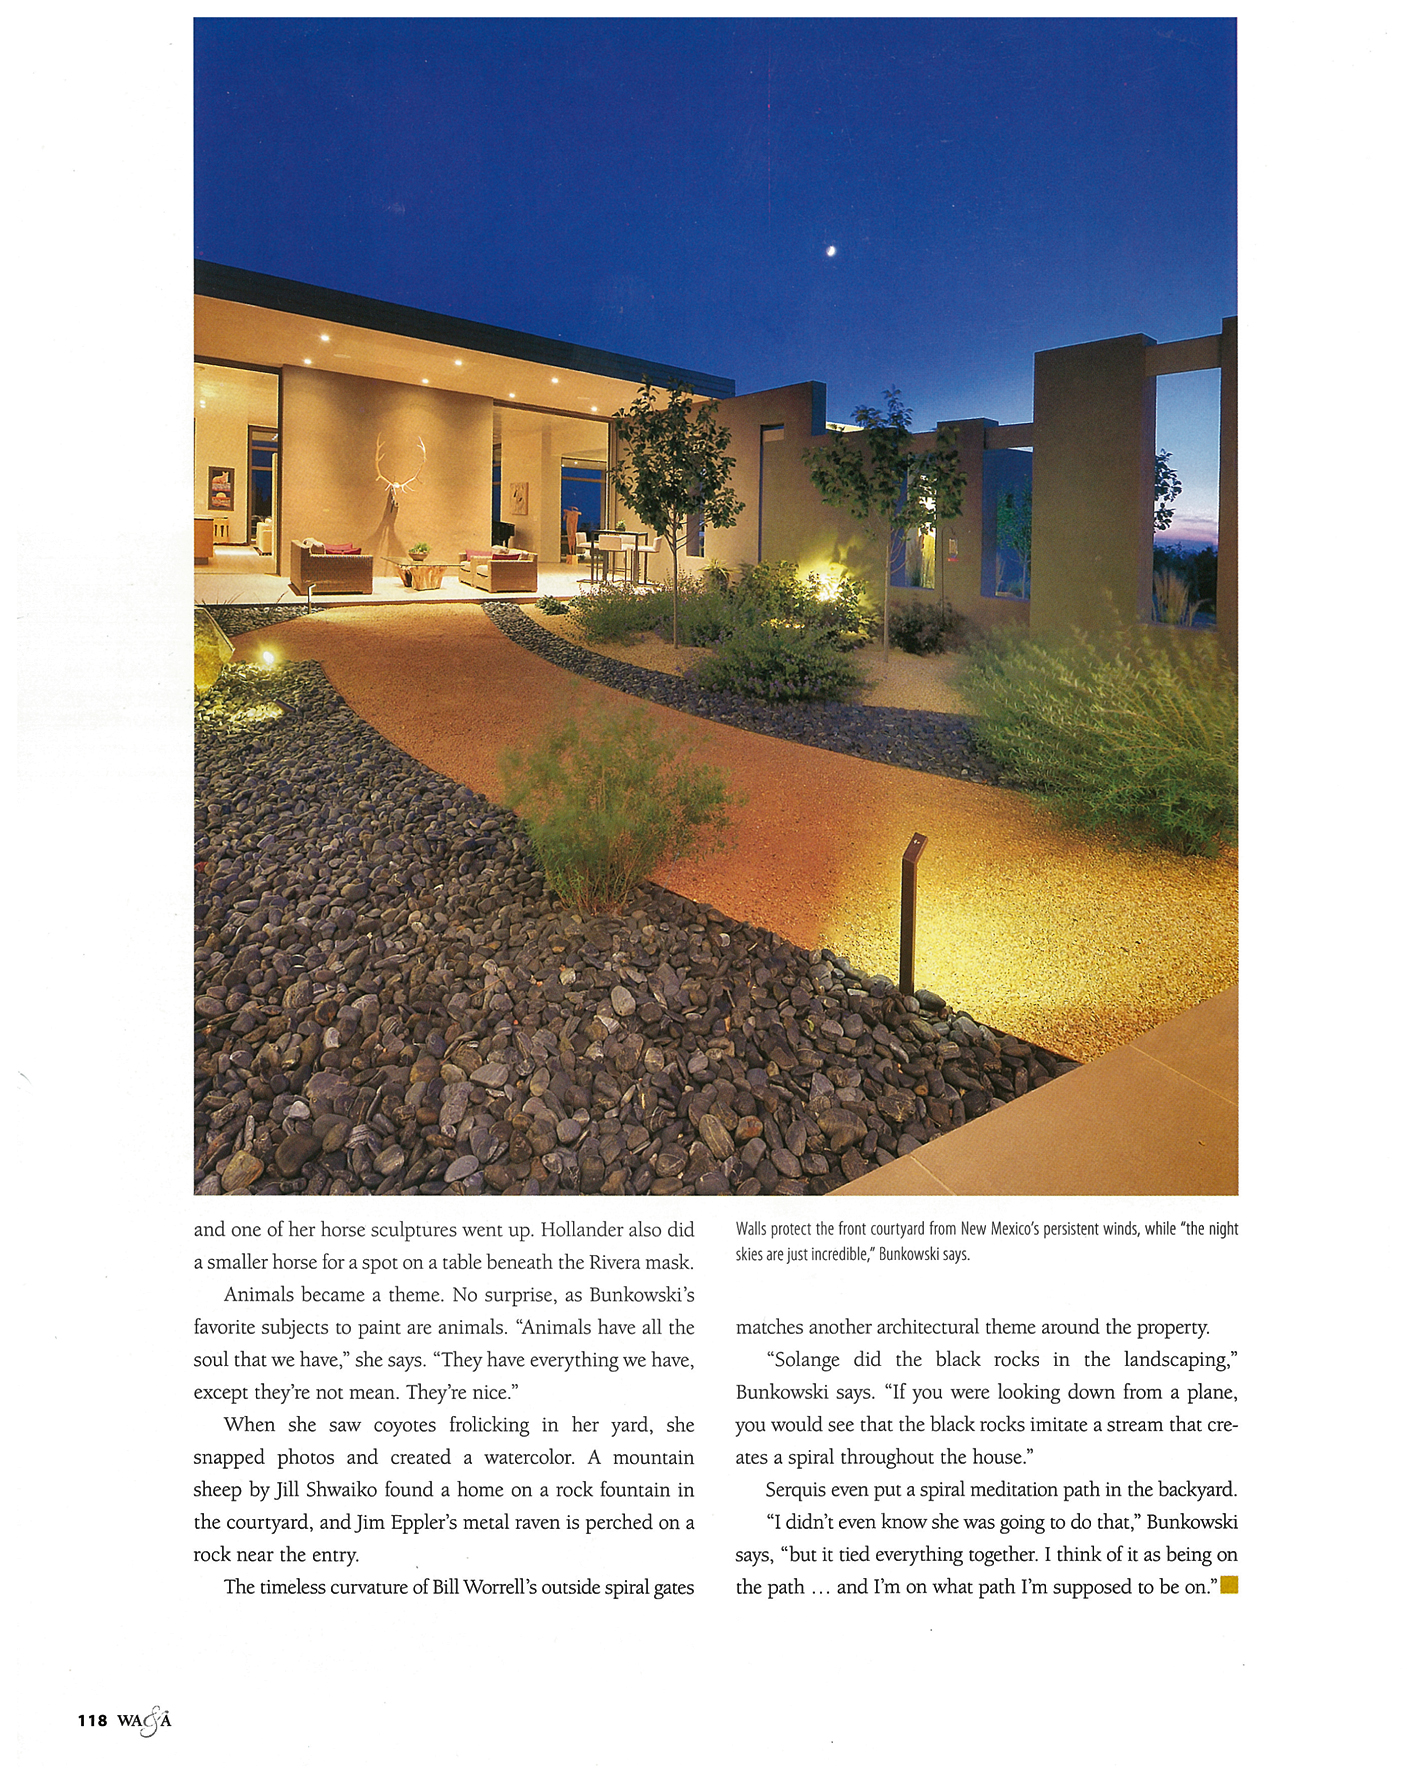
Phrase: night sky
(990, 187)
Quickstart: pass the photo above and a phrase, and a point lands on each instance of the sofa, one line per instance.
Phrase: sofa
(500, 572)
(312, 565)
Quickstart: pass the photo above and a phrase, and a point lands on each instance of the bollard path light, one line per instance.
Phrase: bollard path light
(908, 893)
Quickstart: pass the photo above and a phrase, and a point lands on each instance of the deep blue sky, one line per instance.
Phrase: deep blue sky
(991, 187)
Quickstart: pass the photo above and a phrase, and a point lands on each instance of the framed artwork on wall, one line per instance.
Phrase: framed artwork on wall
(518, 500)
(221, 487)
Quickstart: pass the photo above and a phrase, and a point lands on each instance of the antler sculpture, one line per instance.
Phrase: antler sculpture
(396, 488)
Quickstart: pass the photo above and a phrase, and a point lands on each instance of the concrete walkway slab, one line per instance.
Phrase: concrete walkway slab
(1155, 1118)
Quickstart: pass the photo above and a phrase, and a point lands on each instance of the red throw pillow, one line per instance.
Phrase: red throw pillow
(343, 550)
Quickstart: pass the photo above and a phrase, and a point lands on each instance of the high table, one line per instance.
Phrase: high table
(620, 541)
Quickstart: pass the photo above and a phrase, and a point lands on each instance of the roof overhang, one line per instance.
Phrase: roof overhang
(252, 319)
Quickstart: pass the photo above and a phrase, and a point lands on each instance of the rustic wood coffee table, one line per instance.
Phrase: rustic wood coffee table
(422, 575)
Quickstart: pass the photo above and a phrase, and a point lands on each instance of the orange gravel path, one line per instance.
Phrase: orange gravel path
(1030, 927)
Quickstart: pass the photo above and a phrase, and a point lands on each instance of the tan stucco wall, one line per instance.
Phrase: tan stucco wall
(330, 426)
(795, 525)
(234, 401)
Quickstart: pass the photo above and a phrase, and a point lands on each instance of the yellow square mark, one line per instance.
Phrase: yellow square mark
(1231, 1582)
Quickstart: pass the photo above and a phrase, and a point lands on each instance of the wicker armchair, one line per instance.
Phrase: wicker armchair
(328, 572)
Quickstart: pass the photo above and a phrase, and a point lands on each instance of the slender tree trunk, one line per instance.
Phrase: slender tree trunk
(674, 554)
(888, 570)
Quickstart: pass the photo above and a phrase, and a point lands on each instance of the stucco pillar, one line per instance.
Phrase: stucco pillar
(1226, 557)
(1093, 430)
(961, 578)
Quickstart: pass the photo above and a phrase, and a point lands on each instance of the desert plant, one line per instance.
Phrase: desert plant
(606, 800)
(716, 577)
(772, 660)
(550, 604)
(615, 612)
(924, 627)
(1134, 732)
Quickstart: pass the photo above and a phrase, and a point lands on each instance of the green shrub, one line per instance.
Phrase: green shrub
(1135, 732)
(707, 611)
(778, 662)
(607, 800)
(550, 604)
(923, 627)
(779, 591)
(615, 612)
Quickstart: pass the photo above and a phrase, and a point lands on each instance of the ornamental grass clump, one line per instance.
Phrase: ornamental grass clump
(1132, 732)
(616, 612)
(1172, 600)
(606, 800)
(777, 662)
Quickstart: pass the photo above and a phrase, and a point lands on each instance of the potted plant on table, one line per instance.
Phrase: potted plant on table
(420, 552)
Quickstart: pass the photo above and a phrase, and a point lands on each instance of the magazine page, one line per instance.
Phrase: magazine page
(864, 1305)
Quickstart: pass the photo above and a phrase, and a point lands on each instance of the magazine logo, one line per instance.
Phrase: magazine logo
(147, 1725)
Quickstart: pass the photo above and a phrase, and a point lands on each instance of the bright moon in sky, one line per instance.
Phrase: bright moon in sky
(830, 252)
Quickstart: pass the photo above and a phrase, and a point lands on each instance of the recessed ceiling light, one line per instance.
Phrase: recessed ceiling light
(554, 380)
(511, 395)
(593, 408)
(307, 362)
(459, 362)
(424, 380)
(324, 337)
